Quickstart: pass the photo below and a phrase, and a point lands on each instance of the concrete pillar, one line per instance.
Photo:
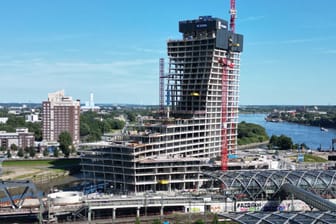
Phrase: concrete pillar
(138, 212)
(161, 210)
(89, 216)
(114, 213)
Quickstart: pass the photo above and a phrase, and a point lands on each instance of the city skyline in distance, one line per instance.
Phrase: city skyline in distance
(113, 48)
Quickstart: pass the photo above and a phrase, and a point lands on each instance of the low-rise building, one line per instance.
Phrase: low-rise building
(3, 120)
(21, 138)
(32, 118)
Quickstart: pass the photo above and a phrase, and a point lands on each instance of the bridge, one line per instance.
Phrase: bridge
(312, 187)
(322, 217)
(308, 186)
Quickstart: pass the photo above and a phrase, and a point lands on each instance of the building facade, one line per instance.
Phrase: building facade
(60, 113)
(168, 153)
(21, 138)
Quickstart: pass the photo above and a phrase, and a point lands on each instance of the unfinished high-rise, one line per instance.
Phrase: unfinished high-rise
(202, 91)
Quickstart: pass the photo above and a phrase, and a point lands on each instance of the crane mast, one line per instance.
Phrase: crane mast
(232, 15)
(226, 64)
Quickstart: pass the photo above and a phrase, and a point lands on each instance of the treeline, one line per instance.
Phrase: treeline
(18, 121)
(327, 120)
(251, 133)
(93, 125)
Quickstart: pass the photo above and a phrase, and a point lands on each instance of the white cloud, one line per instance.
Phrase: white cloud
(251, 18)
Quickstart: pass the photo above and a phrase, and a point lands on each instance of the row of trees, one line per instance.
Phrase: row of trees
(92, 125)
(18, 122)
(252, 133)
(20, 152)
(327, 120)
(65, 141)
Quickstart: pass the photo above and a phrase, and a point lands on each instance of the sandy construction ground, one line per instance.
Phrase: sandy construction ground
(13, 173)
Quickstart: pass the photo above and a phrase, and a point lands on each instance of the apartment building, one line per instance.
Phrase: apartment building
(60, 113)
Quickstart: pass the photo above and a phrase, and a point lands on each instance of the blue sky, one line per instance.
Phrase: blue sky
(112, 48)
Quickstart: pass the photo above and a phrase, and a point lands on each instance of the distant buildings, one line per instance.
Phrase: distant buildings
(32, 118)
(3, 120)
(60, 113)
(21, 138)
(90, 105)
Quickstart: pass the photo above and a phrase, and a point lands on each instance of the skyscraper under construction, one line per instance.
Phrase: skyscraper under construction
(201, 122)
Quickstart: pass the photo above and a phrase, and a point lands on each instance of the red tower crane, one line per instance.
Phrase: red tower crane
(232, 15)
(226, 64)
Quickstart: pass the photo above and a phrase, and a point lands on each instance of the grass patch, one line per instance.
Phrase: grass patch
(8, 163)
(45, 162)
(308, 158)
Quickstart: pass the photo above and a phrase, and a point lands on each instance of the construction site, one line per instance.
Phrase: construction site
(169, 152)
(182, 161)
(197, 124)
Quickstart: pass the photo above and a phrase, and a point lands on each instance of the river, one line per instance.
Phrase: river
(313, 137)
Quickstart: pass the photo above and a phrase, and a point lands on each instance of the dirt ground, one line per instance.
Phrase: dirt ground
(17, 173)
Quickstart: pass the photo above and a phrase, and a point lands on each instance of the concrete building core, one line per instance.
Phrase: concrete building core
(168, 153)
(60, 113)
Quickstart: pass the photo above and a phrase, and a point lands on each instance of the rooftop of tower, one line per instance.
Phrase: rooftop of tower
(202, 23)
(206, 27)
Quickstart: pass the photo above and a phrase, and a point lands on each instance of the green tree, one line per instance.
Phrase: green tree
(156, 221)
(84, 129)
(20, 153)
(215, 219)
(131, 116)
(9, 155)
(13, 147)
(36, 128)
(65, 142)
(199, 221)
(16, 121)
(282, 142)
(45, 152)
(137, 220)
(90, 126)
(285, 142)
(56, 152)
(32, 152)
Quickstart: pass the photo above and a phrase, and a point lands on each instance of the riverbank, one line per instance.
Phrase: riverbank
(313, 137)
(39, 171)
(253, 145)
